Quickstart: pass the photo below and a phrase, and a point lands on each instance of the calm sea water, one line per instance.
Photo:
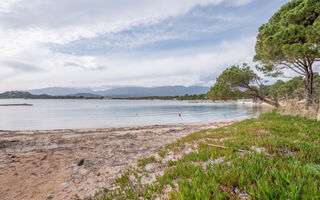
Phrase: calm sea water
(62, 114)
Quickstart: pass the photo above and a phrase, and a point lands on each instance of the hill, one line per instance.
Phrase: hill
(125, 92)
(60, 91)
(28, 95)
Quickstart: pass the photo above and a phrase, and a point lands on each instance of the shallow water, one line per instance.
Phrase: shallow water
(65, 114)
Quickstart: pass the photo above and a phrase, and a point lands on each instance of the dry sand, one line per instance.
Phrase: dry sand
(57, 164)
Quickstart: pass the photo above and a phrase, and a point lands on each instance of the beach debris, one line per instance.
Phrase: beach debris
(81, 162)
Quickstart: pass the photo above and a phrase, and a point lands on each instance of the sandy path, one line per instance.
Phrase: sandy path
(48, 164)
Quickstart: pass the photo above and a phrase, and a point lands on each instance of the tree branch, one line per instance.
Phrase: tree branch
(293, 69)
(256, 94)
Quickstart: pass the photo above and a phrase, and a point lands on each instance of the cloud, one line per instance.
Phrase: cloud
(186, 69)
(86, 18)
(239, 2)
(160, 42)
(81, 66)
(21, 67)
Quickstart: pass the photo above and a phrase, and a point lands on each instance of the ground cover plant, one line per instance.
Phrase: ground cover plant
(270, 157)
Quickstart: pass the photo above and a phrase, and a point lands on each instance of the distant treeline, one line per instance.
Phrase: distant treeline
(184, 97)
(28, 95)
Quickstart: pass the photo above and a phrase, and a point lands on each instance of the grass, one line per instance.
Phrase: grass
(287, 167)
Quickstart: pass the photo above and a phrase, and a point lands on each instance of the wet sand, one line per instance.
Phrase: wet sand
(57, 164)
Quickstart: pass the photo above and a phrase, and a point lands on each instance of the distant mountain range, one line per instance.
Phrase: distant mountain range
(123, 92)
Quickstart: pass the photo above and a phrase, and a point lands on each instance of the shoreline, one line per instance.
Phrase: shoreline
(57, 164)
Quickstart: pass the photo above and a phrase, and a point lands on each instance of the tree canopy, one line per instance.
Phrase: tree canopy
(291, 40)
(236, 82)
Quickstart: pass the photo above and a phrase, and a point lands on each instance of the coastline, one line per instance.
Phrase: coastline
(57, 164)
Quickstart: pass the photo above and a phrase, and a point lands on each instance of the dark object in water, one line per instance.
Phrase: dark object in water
(23, 104)
(81, 162)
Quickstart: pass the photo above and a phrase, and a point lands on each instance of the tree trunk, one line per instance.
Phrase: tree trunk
(256, 94)
(309, 86)
(273, 103)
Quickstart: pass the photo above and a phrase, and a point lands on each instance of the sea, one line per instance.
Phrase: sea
(80, 113)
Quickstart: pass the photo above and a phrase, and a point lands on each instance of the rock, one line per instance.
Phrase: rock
(83, 171)
(146, 180)
(3, 166)
(258, 149)
(149, 166)
(44, 157)
(285, 151)
(218, 160)
(81, 162)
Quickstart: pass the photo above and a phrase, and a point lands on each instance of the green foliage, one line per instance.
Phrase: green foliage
(290, 40)
(226, 86)
(316, 88)
(28, 95)
(292, 33)
(192, 97)
(292, 89)
(236, 76)
(221, 92)
(287, 169)
(184, 97)
(237, 82)
(143, 162)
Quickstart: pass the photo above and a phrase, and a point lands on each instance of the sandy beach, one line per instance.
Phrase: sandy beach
(57, 164)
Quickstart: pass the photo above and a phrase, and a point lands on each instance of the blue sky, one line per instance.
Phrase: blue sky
(104, 43)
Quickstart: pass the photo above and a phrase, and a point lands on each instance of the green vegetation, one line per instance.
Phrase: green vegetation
(143, 162)
(290, 40)
(184, 97)
(27, 95)
(193, 97)
(271, 157)
(236, 82)
(293, 89)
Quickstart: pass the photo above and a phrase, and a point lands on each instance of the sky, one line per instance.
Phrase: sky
(100, 44)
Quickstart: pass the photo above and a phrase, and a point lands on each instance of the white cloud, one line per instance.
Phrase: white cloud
(185, 69)
(26, 26)
(239, 2)
(62, 21)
